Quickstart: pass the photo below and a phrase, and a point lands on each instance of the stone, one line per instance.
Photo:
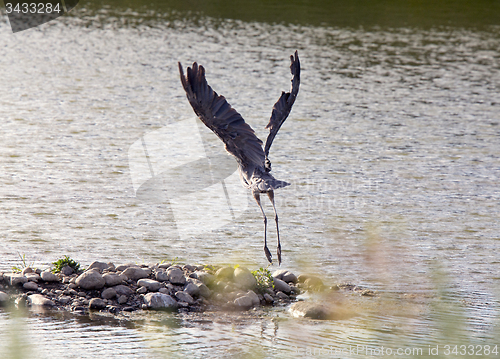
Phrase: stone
(225, 273)
(135, 273)
(112, 279)
(255, 298)
(97, 303)
(176, 276)
(122, 299)
(192, 289)
(268, 298)
(285, 276)
(150, 284)
(27, 270)
(49, 277)
(67, 270)
(204, 291)
(100, 266)
(111, 267)
(280, 285)
(40, 300)
(108, 293)
(311, 310)
(33, 277)
(64, 299)
(244, 302)
(142, 290)
(90, 279)
(160, 301)
(123, 290)
(164, 290)
(161, 276)
(30, 286)
(205, 277)
(122, 267)
(4, 298)
(243, 278)
(189, 267)
(16, 279)
(313, 282)
(281, 295)
(184, 297)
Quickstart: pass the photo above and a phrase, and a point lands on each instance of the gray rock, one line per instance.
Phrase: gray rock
(16, 279)
(40, 300)
(100, 266)
(281, 295)
(280, 285)
(225, 273)
(285, 276)
(164, 290)
(243, 278)
(184, 297)
(122, 267)
(49, 277)
(108, 293)
(122, 299)
(142, 290)
(189, 267)
(244, 302)
(204, 291)
(90, 279)
(192, 289)
(111, 267)
(112, 279)
(254, 297)
(135, 273)
(123, 290)
(64, 299)
(67, 270)
(97, 303)
(33, 277)
(161, 275)
(160, 301)
(27, 270)
(4, 298)
(205, 277)
(30, 286)
(311, 310)
(268, 298)
(150, 284)
(176, 276)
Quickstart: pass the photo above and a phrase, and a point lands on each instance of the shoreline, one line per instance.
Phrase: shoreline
(163, 286)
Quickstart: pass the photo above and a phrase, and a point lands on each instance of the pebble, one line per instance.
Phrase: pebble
(123, 290)
(108, 293)
(244, 302)
(311, 310)
(280, 285)
(122, 299)
(4, 298)
(97, 303)
(100, 266)
(112, 279)
(192, 289)
(285, 276)
(184, 297)
(161, 276)
(67, 270)
(255, 298)
(90, 279)
(142, 290)
(64, 299)
(281, 295)
(30, 286)
(33, 277)
(27, 270)
(205, 277)
(225, 273)
(16, 279)
(150, 284)
(160, 301)
(40, 300)
(135, 273)
(244, 278)
(49, 277)
(268, 298)
(176, 276)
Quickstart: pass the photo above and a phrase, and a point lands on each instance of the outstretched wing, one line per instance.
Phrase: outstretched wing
(218, 115)
(283, 106)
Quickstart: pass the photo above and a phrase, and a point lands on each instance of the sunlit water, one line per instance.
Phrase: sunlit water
(392, 149)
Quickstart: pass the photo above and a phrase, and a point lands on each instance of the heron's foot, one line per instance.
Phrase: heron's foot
(268, 254)
(279, 253)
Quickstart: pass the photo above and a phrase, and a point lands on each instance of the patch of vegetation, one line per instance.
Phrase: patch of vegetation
(66, 261)
(264, 279)
(24, 264)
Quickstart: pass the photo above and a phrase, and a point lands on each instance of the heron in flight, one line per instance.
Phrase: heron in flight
(239, 138)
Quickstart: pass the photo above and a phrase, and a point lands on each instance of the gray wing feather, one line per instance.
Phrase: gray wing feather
(283, 106)
(218, 115)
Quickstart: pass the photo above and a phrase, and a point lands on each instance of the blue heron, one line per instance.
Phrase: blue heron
(239, 138)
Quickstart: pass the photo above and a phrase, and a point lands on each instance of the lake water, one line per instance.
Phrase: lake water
(392, 149)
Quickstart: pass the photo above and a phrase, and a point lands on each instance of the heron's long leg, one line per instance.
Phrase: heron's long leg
(256, 195)
(270, 194)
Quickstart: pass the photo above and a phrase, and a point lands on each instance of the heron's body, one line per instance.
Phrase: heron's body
(239, 138)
